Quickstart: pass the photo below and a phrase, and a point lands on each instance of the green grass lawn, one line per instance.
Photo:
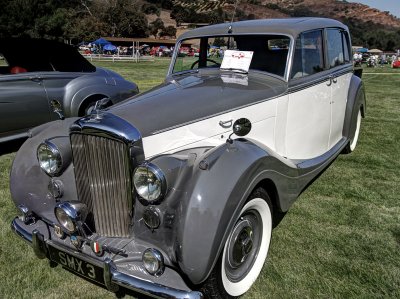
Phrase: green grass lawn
(341, 239)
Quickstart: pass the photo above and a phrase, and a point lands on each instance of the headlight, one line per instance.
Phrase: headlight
(150, 183)
(49, 158)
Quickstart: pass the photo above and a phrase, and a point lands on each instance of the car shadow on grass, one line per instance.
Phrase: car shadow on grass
(11, 146)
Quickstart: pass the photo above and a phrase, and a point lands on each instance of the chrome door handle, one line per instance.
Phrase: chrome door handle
(330, 81)
(226, 124)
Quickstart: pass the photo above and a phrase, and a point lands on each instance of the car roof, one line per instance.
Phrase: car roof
(289, 26)
(43, 55)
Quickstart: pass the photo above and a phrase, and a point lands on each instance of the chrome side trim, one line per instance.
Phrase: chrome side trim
(112, 278)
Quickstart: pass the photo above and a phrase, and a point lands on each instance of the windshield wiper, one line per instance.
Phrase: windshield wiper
(231, 69)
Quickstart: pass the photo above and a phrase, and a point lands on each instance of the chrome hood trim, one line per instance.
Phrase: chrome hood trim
(106, 125)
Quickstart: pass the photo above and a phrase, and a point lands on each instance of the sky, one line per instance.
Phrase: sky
(393, 6)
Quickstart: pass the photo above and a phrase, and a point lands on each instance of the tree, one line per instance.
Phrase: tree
(156, 26)
(168, 31)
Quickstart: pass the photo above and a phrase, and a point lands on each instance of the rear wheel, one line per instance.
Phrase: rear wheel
(351, 146)
(245, 250)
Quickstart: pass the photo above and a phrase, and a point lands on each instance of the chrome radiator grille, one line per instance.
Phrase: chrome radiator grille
(103, 183)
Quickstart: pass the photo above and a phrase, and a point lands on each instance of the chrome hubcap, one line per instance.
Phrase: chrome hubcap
(243, 246)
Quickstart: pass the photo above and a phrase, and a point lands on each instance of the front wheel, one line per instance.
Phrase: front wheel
(245, 250)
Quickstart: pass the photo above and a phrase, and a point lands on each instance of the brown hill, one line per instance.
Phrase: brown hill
(336, 9)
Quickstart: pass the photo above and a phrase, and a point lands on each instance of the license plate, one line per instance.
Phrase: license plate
(77, 265)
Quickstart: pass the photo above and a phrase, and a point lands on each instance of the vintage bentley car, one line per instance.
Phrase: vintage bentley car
(39, 76)
(174, 192)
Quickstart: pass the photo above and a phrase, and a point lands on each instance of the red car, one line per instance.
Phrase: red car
(396, 64)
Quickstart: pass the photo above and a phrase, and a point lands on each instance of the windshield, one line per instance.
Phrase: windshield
(269, 52)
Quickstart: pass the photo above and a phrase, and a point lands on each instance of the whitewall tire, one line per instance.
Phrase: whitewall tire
(245, 250)
(353, 142)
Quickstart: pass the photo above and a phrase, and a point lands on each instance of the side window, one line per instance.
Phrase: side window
(308, 55)
(346, 47)
(337, 52)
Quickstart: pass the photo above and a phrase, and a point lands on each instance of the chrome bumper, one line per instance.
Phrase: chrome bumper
(112, 278)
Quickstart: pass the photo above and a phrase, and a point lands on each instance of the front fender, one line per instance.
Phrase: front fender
(28, 183)
(215, 197)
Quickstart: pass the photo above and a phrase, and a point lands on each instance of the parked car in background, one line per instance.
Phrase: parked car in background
(396, 63)
(174, 193)
(37, 75)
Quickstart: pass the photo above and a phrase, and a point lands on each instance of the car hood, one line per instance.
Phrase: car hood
(187, 99)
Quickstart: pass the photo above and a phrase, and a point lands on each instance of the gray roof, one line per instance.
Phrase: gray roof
(289, 26)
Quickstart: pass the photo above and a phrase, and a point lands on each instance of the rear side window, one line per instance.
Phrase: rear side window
(338, 47)
(308, 55)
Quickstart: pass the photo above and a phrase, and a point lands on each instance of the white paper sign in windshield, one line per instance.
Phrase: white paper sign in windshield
(237, 60)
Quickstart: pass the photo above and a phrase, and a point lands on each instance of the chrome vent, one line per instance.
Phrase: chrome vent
(103, 182)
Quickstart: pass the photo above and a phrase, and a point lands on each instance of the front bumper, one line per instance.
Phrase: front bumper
(113, 279)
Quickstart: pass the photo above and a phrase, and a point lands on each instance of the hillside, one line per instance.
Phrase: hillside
(370, 27)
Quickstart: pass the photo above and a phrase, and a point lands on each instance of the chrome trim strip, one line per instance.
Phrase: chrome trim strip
(112, 277)
(305, 82)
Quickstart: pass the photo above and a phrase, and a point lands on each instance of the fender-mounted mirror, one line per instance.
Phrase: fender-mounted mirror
(241, 127)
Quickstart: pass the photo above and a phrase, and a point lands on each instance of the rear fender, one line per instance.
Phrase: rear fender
(355, 102)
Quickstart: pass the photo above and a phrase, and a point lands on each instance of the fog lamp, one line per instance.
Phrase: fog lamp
(151, 217)
(70, 214)
(153, 261)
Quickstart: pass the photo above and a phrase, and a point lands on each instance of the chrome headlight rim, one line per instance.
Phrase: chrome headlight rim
(160, 176)
(74, 212)
(67, 223)
(57, 155)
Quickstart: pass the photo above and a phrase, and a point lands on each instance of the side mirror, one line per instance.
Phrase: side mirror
(241, 127)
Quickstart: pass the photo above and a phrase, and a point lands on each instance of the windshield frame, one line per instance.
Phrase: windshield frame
(182, 41)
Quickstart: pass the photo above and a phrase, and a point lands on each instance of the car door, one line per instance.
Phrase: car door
(338, 60)
(23, 103)
(308, 112)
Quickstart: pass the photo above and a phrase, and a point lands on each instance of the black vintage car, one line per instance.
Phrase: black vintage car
(38, 76)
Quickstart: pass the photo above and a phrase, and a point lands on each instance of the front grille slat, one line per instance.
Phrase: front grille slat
(103, 181)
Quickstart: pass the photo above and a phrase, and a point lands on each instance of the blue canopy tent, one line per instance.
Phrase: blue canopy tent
(101, 42)
(109, 47)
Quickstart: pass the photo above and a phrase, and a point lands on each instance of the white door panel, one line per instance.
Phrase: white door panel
(209, 132)
(339, 100)
(308, 122)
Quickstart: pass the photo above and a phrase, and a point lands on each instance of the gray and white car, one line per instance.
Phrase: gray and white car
(174, 193)
(39, 76)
